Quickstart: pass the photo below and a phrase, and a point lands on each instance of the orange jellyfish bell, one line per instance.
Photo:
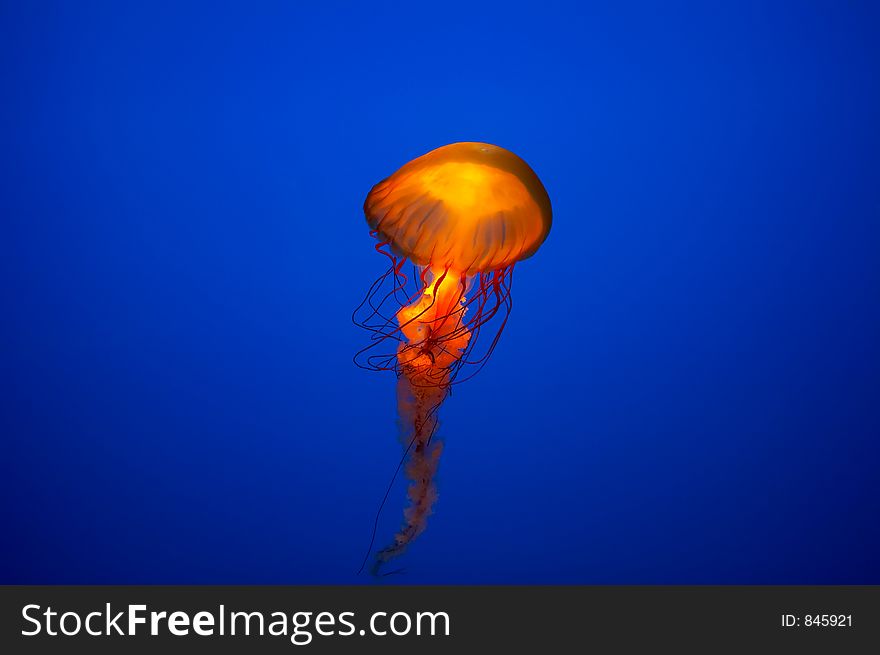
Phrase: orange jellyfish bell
(462, 215)
(469, 207)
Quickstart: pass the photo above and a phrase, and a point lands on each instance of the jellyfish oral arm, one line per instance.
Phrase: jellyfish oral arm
(434, 329)
(435, 336)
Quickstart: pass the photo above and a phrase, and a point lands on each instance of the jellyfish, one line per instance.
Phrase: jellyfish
(452, 224)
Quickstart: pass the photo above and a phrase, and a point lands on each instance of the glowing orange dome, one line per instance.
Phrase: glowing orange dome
(471, 207)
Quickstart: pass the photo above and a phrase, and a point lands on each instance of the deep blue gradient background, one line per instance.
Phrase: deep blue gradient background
(688, 388)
